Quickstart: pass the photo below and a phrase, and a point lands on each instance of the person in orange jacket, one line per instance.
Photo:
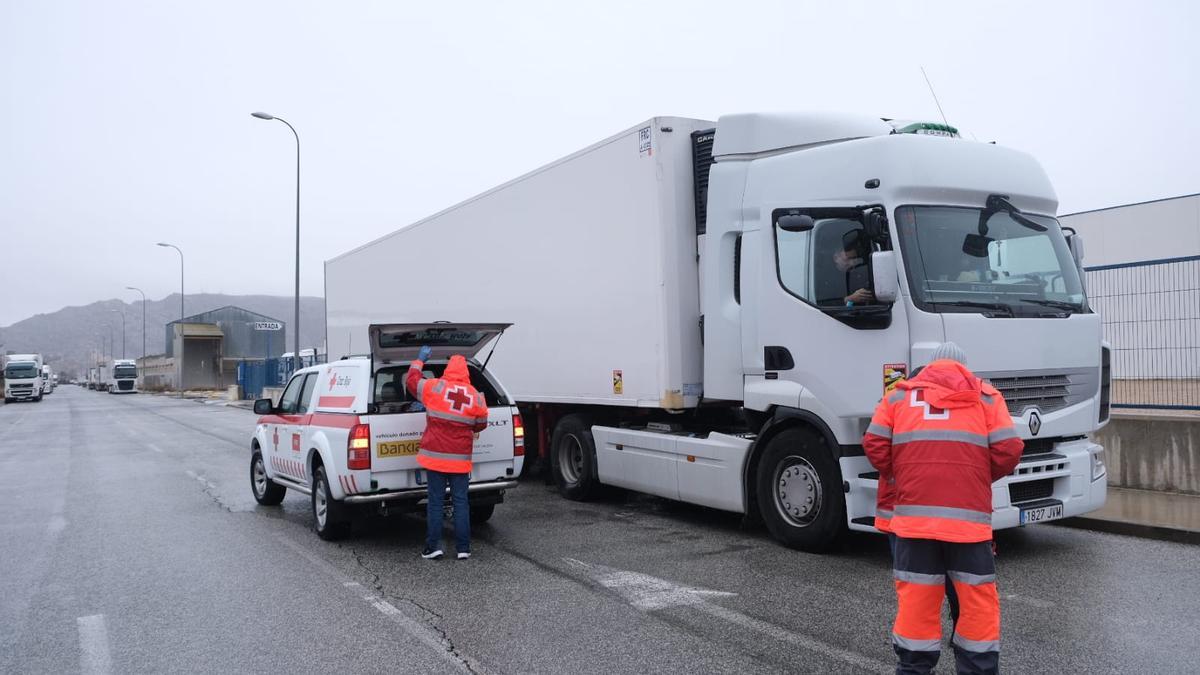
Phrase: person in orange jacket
(940, 440)
(454, 413)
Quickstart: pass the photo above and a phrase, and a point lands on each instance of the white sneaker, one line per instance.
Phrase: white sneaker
(464, 555)
(432, 555)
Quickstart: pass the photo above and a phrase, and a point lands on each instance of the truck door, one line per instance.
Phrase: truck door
(302, 434)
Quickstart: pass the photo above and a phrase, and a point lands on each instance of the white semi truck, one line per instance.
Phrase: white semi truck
(122, 377)
(47, 380)
(710, 312)
(22, 377)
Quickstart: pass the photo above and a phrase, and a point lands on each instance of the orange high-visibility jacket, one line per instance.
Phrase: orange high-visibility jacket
(454, 412)
(943, 437)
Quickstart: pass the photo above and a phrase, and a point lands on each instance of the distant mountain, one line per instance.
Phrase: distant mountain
(68, 337)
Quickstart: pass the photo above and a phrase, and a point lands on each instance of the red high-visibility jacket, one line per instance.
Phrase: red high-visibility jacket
(943, 437)
(454, 412)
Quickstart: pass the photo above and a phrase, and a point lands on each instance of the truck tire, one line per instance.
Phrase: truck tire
(266, 491)
(38, 399)
(799, 489)
(329, 515)
(573, 458)
(482, 514)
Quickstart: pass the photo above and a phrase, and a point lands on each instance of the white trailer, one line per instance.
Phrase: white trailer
(22, 377)
(691, 312)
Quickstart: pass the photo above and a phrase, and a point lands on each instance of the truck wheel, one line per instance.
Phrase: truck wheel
(329, 514)
(573, 458)
(481, 514)
(38, 399)
(266, 491)
(799, 490)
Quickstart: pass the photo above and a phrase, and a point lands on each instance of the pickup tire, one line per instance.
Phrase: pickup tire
(329, 515)
(799, 488)
(573, 458)
(482, 514)
(266, 491)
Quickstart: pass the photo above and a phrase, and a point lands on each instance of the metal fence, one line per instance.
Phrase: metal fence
(1151, 316)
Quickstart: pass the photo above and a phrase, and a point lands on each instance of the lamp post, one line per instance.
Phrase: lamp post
(122, 313)
(180, 276)
(296, 313)
(134, 288)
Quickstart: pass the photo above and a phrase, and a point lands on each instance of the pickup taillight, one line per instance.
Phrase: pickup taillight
(518, 436)
(358, 448)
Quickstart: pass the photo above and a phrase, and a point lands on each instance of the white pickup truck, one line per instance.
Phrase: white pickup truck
(347, 433)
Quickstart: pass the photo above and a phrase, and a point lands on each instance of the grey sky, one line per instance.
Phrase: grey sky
(127, 123)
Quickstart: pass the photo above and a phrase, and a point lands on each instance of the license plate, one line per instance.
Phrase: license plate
(397, 448)
(420, 476)
(1041, 514)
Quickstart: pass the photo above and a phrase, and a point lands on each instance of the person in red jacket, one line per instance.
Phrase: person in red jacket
(454, 413)
(941, 439)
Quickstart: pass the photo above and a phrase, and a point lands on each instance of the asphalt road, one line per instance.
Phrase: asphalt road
(131, 543)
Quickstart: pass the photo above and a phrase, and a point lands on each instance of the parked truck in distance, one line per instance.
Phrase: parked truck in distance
(22, 377)
(48, 381)
(709, 312)
(123, 377)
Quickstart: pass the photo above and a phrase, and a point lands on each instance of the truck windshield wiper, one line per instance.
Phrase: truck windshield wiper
(1057, 304)
(994, 306)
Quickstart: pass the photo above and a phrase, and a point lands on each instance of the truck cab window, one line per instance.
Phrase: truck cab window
(827, 265)
(291, 395)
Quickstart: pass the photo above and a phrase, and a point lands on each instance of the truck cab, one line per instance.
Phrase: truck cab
(347, 433)
(123, 379)
(22, 378)
(47, 380)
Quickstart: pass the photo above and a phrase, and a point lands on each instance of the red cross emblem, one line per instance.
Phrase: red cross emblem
(458, 398)
(332, 380)
(275, 438)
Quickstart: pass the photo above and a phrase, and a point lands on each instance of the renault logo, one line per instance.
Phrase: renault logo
(1035, 422)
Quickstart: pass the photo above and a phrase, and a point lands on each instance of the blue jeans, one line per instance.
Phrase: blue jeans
(434, 509)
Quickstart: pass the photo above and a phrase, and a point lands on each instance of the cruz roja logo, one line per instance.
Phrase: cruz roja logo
(1035, 422)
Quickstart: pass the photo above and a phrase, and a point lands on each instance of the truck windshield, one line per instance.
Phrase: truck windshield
(1008, 269)
(20, 370)
(121, 372)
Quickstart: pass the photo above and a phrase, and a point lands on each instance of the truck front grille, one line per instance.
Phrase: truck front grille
(125, 385)
(1031, 490)
(1045, 391)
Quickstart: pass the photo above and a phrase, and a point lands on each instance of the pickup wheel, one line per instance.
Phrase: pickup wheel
(573, 458)
(266, 491)
(329, 515)
(799, 489)
(482, 514)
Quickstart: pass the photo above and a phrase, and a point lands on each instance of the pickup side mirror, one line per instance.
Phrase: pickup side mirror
(885, 276)
(263, 406)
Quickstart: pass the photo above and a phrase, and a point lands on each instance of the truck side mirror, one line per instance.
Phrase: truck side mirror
(795, 223)
(263, 406)
(885, 275)
(1075, 243)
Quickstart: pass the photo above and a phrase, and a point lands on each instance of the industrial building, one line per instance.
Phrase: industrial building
(1142, 265)
(203, 351)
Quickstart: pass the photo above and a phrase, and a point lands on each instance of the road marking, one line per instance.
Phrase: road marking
(203, 481)
(93, 645)
(649, 594)
(154, 447)
(57, 524)
(424, 634)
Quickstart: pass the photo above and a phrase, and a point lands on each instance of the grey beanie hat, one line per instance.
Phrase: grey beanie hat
(951, 351)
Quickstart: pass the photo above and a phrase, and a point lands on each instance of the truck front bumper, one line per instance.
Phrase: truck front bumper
(1063, 475)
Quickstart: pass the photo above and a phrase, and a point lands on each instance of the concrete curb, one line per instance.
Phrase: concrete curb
(1141, 530)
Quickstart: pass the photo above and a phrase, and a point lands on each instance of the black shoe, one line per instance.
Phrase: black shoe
(432, 554)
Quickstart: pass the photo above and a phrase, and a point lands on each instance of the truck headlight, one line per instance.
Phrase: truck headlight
(1098, 464)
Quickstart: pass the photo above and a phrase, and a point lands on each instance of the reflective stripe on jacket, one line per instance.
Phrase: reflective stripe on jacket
(454, 412)
(943, 437)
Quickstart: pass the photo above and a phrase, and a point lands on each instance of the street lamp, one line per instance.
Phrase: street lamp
(180, 277)
(122, 313)
(134, 288)
(296, 313)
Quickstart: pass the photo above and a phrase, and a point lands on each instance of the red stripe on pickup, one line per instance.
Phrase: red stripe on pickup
(333, 420)
(335, 401)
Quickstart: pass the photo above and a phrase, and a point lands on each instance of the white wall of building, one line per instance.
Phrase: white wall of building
(1167, 228)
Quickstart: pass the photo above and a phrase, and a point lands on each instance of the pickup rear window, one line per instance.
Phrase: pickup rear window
(390, 396)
